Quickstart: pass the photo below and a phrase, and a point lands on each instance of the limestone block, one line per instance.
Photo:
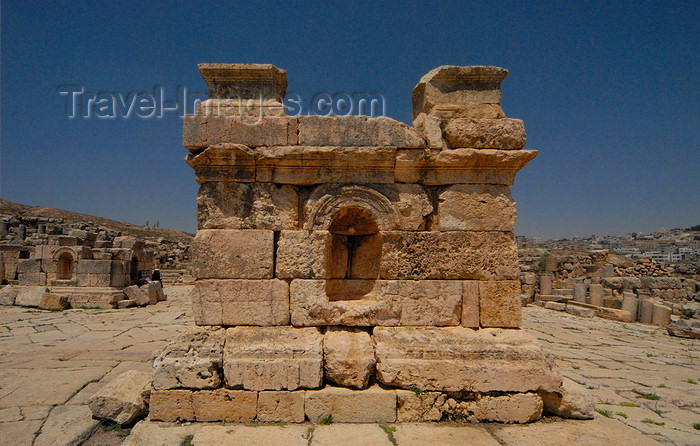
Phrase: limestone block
(546, 284)
(171, 405)
(430, 128)
(613, 314)
(573, 401)
(54, 302)
(33, 279)
(661, 315)
(151, 292)
(348, 357)
(304, 255)
(580, 290)
(273, 358)
(393, 206)
(460, 166)
(229, 205)
(515, 408)
(30, 296)
(470, 303)
(556, 306)
(232, 254)
(463, 88)
(419, 406)
(124, 399)
(281, 406)
(224, 405)
(462, 359)
(499, 304)
(244, 80)
(241, 302)
(373, 405)
(371, 303)
(449, 255)
(192, 360)
(630, 303)
(134, 293)
(595, 294)
(223, 162)
(94, 267)
(358, 131)
(476, 207)
(8, 294)
(504, 134)
(200, 131)
(304, 165)
(646, 311)
(29, 266)
(580, 311)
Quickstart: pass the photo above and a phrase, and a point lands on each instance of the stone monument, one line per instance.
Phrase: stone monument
(352, 267)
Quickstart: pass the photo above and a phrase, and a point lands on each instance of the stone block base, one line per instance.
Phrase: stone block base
(341, 405)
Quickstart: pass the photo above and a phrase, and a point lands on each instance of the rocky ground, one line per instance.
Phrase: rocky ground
(647, 384)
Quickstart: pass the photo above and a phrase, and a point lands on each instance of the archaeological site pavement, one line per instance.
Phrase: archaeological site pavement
(644, 382)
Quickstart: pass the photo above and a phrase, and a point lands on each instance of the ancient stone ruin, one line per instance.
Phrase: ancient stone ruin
(74, 272)
(353, 268)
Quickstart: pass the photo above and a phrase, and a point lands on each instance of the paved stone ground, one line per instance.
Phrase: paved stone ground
(51, 363)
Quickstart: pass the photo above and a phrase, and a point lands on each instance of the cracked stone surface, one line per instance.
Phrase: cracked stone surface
(620, 363)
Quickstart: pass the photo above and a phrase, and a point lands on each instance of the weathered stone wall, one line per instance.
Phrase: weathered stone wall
(350, 251)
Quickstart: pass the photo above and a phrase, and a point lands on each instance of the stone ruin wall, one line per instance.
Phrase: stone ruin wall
(344, 253)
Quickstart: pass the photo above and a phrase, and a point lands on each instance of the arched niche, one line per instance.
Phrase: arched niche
(356, 248)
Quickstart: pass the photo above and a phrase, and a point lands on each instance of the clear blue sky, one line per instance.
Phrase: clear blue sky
(608, 92)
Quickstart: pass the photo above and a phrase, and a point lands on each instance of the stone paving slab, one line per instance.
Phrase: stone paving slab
(44, 371)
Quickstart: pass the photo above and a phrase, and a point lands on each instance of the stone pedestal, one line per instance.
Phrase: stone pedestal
(596, 295)
(345, 251)
(546, 284)
(580, 291)
(630, 303)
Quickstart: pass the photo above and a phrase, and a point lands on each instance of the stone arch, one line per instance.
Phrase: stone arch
(327, 200)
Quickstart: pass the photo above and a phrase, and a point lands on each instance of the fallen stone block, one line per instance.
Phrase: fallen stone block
(30, 296)
(135, 294)
(580, 311)
(348, 357)
(8, 294)
(557, 306)
(572, 401)
(54, 302)
(373, 405)
(192, 360)
(661, 315)
(273, 358)
(123, 400)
